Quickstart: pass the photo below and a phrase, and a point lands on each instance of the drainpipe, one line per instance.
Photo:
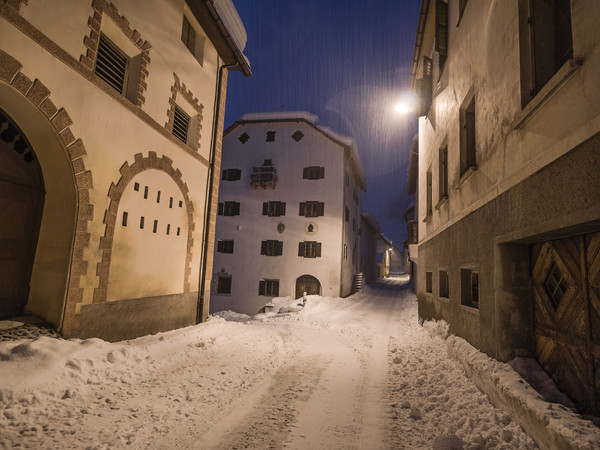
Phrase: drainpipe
(209, 190)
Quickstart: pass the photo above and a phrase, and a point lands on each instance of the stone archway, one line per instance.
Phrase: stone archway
(308, 284)
(59, 262)
(115, 193)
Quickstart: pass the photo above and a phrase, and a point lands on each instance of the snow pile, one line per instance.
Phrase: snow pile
(552, 425)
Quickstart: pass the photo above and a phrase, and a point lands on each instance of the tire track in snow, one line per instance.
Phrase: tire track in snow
(268, 423)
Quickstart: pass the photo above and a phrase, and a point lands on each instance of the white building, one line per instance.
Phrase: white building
(289, 212)
(509, 180)
(108, 127)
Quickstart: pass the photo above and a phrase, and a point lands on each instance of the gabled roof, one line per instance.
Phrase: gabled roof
(346, 142)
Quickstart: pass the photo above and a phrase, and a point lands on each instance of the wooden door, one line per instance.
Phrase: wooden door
(566, 314)
(21, 205)
(308, 284)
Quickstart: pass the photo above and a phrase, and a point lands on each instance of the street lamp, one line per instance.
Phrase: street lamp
(406, 103)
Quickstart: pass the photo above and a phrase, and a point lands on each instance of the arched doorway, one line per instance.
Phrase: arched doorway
(21, 206)
(308, 284)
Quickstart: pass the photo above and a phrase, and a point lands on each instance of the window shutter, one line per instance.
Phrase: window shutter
(301, 249)
(111, 64)
(224, 177)
(305, 173)
(220, 209)
(302, 208)
(317, 249)
(282, 209)
(279, 248)
(322, 172)
(321, 209)
(220, 246)
(441, 31)
(265, 208)
(262, 287)
(425, 88)
(275, 288)
(238, 174)
(236, 208)
(263, 248)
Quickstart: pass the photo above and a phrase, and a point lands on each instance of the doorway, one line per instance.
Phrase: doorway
(308, 284)
(566, 315)
(21, 205)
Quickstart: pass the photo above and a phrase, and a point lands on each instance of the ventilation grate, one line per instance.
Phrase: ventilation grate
(111, 64)
(181, 123)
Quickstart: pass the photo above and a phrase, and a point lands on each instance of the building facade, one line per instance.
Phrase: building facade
(289, 212)
(509, 180)
(369, 233)
(110, 117)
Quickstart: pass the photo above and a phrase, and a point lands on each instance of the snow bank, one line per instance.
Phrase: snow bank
(552, 425)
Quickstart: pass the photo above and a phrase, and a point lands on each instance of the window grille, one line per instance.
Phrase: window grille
(111, 64)
(224, 285)
(181, 124)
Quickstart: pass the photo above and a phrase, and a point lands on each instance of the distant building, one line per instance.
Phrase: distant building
(369, 233)
(384, 255)
(107, 131)
(509, 181)
(289, 212)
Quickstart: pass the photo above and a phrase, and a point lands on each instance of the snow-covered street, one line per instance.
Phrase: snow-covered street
(346, 373)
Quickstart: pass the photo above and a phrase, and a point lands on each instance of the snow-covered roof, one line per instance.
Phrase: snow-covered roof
(312, 119)
(232, 21)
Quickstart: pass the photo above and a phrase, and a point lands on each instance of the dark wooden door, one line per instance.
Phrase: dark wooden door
(566, 312)
(21, 205)
(308, 284)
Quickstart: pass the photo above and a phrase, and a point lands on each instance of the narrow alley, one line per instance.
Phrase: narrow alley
(358, 372)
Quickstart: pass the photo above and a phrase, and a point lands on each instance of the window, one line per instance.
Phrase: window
(297, 135)
(229, 209)
(429, 282)
(444, 284)
(155, 227)
(223, 285)
(313, 173)
(346, 214)
(145, 191)
(142, 223)
(188, 35)
(429, 210)
(271, 248)
(469, 288)
(225, 246)
(273, 209)
(124, 222)
(312, 209)
(270, 136)
(468, 155)
(244, 137)
(443, 168)
(270, 288)
(168, 228)
(181, 124)
(231, 174)
(158, 197)
(345, 251)
(192, 40)
(546, 42)
(170, 202)
(441, 33)
(136, 186)
(112, 65)
(309, 249)
(353, 224)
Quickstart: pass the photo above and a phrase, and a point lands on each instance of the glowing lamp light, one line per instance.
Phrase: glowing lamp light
(406, 103)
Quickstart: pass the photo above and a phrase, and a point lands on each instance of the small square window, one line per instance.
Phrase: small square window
(270, 136)
(297, 135)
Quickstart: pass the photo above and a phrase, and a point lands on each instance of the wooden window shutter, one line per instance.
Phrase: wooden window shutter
(275, 288)
(302, 208)
(322, 172)
(279, 248)
(305, 172)
(301, 249)
(441, 27)
(425, 88)
(224, 177)
(321, 209)
(220, 246)
(220, 209)
(265, 208)
(236, 208)
(282, 209)
(317, 250)
(262, 287)
(263, 248)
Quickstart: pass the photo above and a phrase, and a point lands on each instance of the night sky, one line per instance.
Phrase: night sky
(348, 62)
